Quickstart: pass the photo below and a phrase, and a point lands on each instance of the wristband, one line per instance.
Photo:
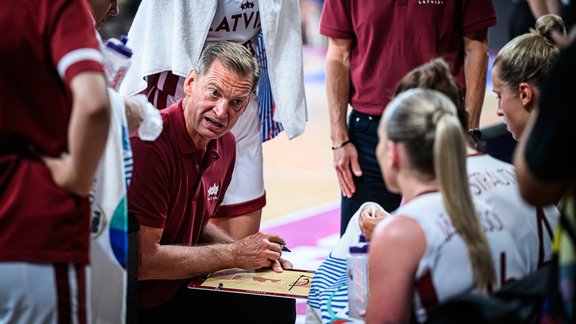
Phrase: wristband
(341, 145)
(475, 133)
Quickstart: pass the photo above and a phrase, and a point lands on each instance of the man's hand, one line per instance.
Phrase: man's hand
(338, 92)
(346, 163)
(281, 264)
(260, 250)
(369, 218)
(134, 115)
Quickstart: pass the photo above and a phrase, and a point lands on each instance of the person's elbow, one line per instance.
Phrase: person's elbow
(99, 110)
(146, 270)
(476, 43)
(339, 49)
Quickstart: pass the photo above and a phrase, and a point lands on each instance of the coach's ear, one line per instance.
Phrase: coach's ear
(189, 82)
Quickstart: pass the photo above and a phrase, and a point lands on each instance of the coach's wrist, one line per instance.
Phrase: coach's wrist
(475, 133)
(346, 142)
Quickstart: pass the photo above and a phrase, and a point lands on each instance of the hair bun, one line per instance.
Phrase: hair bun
(546, 24)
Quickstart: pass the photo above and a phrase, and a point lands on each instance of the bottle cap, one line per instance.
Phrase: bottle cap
(120, 46)
(361, 248)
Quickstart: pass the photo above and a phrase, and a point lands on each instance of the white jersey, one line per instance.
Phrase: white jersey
(445, 270)
(234, 20)
(491, 181)
(494, 181)
(237, 21)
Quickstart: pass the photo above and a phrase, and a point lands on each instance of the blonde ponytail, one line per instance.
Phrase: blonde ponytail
(425, 122)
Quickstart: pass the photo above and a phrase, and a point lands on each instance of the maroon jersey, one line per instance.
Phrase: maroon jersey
(177, 187)
(44, 44)
(390, 38)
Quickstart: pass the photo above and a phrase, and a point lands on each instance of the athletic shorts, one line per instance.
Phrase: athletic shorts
(43, 293)
(246, 192)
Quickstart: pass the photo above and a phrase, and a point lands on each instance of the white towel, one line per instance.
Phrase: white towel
(282, 31)
(108, 249)
(160, 39)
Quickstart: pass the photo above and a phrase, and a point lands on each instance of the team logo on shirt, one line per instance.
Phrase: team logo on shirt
(213, 192)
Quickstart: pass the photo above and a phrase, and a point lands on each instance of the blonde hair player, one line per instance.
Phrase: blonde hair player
(440, 231)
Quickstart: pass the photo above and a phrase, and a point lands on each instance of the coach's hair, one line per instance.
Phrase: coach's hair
(233, 56)
(425, 122)
(528, 57)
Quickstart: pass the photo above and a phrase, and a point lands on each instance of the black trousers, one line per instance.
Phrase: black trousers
(203, 306)
(363, 132)
(520, 20)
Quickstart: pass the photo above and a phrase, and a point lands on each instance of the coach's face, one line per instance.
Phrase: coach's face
(214, 102)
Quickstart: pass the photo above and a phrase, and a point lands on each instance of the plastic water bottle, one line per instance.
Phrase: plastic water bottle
(116, 60)
(357, 279)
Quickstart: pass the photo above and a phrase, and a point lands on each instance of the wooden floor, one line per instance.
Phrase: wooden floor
(298, 173)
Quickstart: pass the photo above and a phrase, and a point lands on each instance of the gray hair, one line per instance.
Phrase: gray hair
(233, 56)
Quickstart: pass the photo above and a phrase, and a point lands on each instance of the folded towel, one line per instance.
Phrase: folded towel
(163, 37)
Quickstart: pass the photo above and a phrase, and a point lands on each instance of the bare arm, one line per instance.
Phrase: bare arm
(158, 261)
(87, 134)
(543, 7)
(131, 108)
(395, 251)
(475, 70)
(134, 115)
(338, 93)
(214, 234)
(532, 189)
(338, 87)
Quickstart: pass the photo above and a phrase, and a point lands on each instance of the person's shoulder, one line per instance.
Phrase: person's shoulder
(171, 115)
(400, 230)
(171, 110)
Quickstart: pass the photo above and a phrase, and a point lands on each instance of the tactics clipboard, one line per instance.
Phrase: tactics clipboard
(292, 283)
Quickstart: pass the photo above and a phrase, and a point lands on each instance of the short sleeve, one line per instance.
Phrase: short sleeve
(336, 20)
(74, 46)
(477, 15)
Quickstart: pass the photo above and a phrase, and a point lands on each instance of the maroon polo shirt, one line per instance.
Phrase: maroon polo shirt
(177, 187)
(390, 38)
(44, 44)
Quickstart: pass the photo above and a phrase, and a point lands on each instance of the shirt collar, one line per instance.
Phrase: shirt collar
(185, 142)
